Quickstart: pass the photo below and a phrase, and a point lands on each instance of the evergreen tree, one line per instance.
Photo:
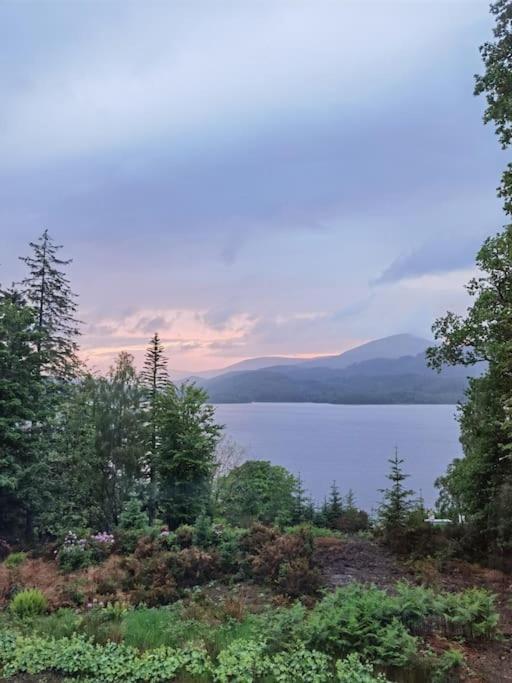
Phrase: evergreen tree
(299, 502)
(397, 502)
(21, 414)
(155, 379)
(75, 463)
(48, 290)
(188, 436)
(350, 501)
(334, 506)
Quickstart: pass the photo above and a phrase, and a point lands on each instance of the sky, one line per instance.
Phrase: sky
(250, 177)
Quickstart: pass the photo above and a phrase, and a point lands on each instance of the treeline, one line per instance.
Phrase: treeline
(74, 446)
(480, 484)
(78, 449)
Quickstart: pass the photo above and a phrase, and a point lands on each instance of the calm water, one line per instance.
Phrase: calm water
(348, 443)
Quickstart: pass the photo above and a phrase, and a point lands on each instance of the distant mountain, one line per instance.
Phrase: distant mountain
(250, 364)
(389, 347)
(396, 346)
(405, 379)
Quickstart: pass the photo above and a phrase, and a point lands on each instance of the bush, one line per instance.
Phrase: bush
(471, 614)
(193, 566)
(228, 548)
(14, 560)
(287, 563)
(352, 670)
(204, 534)
(256, 537)
(360, 619)
(74, 553)
(185, 535)
(28, 603)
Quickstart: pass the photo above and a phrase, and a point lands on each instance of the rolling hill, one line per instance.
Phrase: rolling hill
(361, 375)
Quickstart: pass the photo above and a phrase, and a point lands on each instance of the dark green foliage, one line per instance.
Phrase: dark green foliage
(257, 491)
(47, 289)
(334, 507)
(14, 560)
(496, 85)
(478, 486)
(188, 436)
(28, 603)
(22, 393)
(133, 523)
(204, 535)
(397, 504)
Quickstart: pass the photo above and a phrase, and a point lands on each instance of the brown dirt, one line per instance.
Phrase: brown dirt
(356, 560)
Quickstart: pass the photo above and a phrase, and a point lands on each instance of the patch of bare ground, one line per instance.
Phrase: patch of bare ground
(361, 560)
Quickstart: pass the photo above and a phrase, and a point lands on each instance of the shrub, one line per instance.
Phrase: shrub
(146, 547)
(204, 534)
(28, 603)
(359, 619)
(471, 614)
(100, 546)
(256, 537)
(74, 553)
(297, 577)
(353, 670)
(287, 563)
(446, 665)
(14, 560)
(228, 548)
(193, 566)
(352, 521)
(185, 535)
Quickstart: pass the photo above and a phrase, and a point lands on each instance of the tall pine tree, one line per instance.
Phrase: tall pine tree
(155, 379)
(21, 406)
(48, 290)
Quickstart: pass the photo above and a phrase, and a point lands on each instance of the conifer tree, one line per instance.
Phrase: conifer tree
(48, 290)
(397, 502)
(334, 506)
(155, 379)
(21, 407)
(350, 501)
(299, 502)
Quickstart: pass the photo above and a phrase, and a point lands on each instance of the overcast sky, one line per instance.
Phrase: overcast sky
(249, 177)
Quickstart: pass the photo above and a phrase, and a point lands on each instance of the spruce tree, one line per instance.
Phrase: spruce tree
(21, 406)
(350, 501)
(397, 503)
(48, 290)
(155, 379)
(334, 506)
(299, 502)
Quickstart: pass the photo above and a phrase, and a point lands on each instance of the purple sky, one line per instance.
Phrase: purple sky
(252, 177)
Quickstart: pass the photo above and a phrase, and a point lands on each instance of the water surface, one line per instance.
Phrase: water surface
(348, 443)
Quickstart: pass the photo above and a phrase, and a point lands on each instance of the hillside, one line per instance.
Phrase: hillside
(392, 380)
